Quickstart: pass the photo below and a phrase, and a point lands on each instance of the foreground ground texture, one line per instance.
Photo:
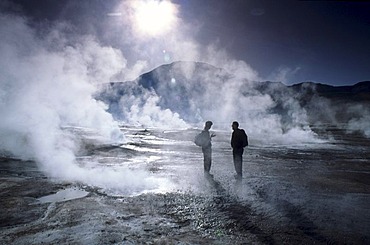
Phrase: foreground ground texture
(304, 195)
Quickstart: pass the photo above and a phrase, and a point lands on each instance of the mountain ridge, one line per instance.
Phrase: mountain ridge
(197, 90)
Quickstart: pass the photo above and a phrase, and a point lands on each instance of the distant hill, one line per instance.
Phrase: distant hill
(357, 92)
(194, 90)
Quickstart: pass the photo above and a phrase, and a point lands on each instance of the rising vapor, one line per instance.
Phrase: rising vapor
(47, 86)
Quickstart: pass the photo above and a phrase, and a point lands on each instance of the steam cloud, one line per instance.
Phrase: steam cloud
(201, 92)
(46, 85)
(361, 123)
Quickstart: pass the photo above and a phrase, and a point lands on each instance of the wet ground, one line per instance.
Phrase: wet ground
(306, 194)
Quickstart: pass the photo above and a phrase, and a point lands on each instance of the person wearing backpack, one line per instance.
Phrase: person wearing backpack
(239, 140)
(204, 140)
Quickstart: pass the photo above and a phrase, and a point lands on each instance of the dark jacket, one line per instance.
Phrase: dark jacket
(239, 139)
(207, 139)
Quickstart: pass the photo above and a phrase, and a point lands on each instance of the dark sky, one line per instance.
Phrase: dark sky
(320, 41)
(326, 41)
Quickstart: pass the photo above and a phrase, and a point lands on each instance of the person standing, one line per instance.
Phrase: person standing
(239, 140)
(207, 147)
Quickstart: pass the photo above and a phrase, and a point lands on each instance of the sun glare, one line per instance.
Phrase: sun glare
(154, 17)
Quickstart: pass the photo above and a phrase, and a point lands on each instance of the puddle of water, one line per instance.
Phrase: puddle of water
(64, 195)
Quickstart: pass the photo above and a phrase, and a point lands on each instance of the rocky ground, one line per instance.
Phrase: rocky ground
(287, 196)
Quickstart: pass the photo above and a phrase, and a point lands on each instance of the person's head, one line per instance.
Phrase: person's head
(208, 125)
(235, 125)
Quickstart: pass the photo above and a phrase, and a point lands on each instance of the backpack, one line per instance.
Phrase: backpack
(245, 140)
(201, 139)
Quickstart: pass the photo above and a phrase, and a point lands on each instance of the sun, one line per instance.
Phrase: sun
(154, 17)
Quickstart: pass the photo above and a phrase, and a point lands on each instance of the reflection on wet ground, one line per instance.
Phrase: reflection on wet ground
(307, 194)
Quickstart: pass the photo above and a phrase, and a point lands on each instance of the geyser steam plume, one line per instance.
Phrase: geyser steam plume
(46, 84)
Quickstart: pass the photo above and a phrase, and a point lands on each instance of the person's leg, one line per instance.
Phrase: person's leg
(207, 153)
(238, 162)
(238, 165)
(235, 158)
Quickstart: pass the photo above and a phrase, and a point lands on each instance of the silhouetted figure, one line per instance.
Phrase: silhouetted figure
(204, 140)
(239, 140)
